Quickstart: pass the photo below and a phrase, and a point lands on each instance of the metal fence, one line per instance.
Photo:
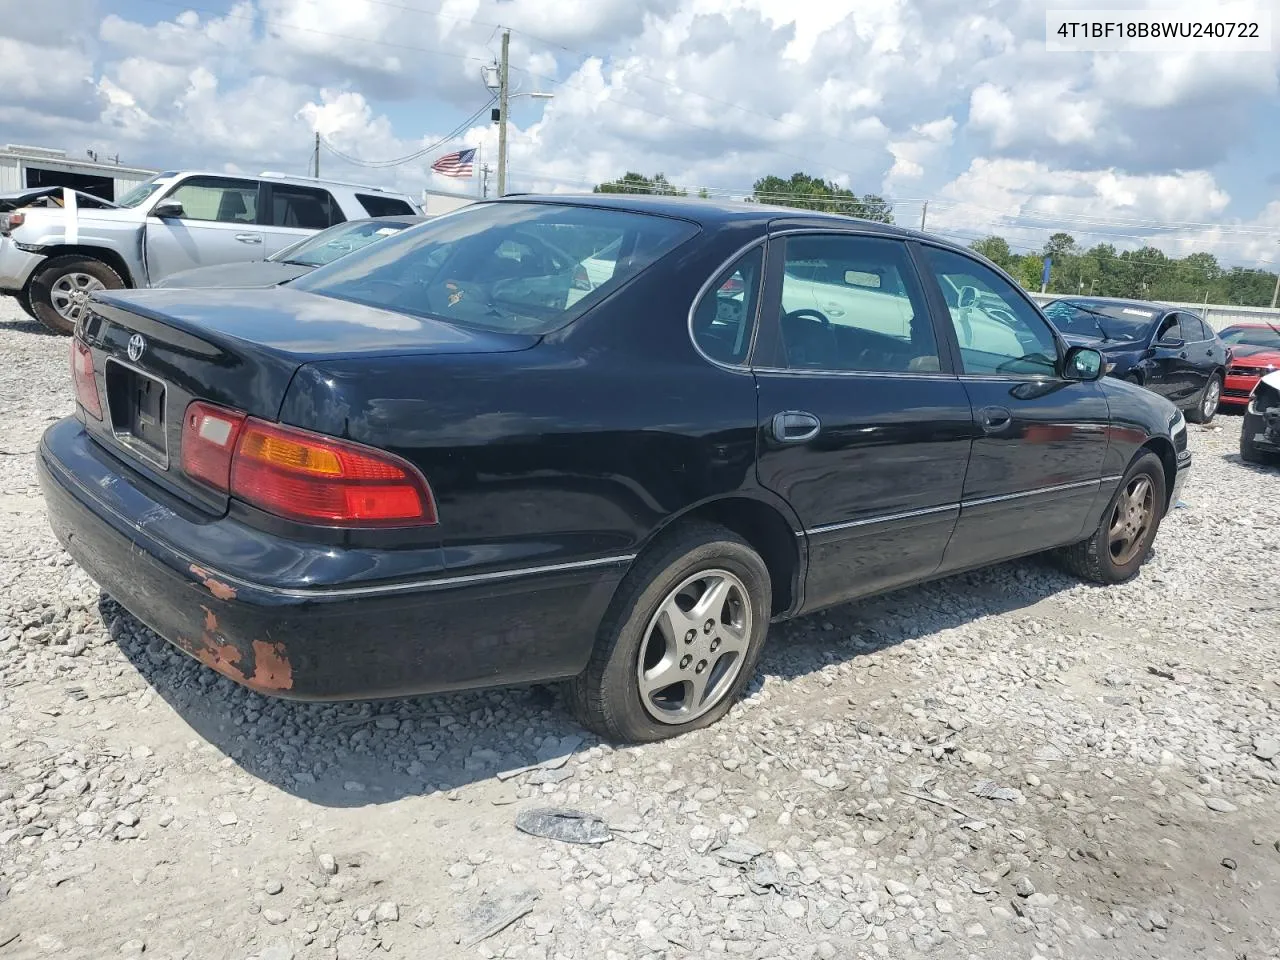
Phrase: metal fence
(1217, 315)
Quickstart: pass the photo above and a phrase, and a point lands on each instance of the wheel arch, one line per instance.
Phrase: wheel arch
(102, 254)
(771, 529)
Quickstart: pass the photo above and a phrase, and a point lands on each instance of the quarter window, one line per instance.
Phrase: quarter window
(305, 208)
(219, 199)
(725, 316)
(998, 330)
(385, 206)
(852, 303)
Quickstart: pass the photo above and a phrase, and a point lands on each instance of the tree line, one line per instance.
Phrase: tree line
(1144, 274)
(1102, 271)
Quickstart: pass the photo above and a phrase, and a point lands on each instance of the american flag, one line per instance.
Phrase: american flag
(460, 164)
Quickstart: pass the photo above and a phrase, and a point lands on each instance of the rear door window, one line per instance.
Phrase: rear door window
(303, 208)
(377, 206)
(514, 267)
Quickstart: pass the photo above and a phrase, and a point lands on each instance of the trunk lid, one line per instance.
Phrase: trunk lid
(156, 351)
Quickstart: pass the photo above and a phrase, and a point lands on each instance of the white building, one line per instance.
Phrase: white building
(436, 202)
(28, 168)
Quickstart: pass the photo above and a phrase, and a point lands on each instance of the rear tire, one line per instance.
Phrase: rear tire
(1208, 402)
(1118, 548)
(59, 291)
(644, 641)
(23, 297)
(1249, 453)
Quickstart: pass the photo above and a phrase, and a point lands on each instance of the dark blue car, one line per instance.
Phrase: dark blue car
(1162, 348)
(583, 439)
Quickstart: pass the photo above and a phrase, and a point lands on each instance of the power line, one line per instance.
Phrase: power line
(382, 164)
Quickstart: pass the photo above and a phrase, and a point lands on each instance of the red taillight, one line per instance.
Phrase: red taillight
(301, 475)
(209, 437)
(85, 383)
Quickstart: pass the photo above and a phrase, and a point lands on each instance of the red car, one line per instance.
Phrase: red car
(1255, 352)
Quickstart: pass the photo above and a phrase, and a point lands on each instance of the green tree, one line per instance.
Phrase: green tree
(632, 182)
(995, 249)
(814, 193)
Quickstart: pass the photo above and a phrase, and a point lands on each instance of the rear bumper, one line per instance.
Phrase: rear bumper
(325, 641)
(16, 266)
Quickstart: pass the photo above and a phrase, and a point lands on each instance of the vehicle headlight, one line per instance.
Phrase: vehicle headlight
(1178, 424)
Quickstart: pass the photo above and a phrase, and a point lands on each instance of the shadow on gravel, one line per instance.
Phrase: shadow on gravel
(29, 325)
(356, 754)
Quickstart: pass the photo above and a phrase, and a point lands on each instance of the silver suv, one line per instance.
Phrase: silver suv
(53, 257)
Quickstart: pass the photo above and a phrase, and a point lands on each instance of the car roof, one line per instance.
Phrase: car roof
(708, 213)
(1149, 305)
(288, 178)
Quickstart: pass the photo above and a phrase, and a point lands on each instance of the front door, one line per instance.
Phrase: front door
(218, 225)
(1037, 462)
(864, 429)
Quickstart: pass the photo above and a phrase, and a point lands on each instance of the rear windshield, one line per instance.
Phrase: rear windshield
(511, 267)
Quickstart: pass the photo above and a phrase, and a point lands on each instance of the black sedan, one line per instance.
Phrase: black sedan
(1167, 350)
(581, 439)
(297, 259)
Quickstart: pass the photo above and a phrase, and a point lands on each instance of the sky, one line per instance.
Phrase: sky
(953, 101)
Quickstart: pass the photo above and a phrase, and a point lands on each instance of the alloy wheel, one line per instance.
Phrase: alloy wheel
(1130, 520)
(694, 646)
(70, 294)
(1212, 396)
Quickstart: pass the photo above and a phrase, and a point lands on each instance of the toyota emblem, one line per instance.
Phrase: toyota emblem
(137, 344)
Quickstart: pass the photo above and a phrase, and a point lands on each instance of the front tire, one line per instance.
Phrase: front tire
(1207, 405)
(1118, 548)
(681, 640)
(60, 291)
(23, 297)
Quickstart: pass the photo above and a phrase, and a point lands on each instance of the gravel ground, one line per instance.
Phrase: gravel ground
(1003, 764)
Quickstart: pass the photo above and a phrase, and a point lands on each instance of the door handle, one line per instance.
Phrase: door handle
(249, 237)
(994, 419)
(795, 426)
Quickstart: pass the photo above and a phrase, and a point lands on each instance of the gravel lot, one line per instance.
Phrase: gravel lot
(1003, 764)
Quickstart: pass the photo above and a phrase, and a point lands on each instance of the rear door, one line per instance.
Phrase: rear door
(864, 428)
(1202, 351)
(291, 212)
(218, 225)
(1036, 464)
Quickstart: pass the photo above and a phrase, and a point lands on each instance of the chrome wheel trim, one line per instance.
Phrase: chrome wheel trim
(694, 646)
(1212, 397)
(70, 294)
(1131, 518)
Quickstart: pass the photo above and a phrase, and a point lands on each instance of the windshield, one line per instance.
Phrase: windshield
(1268, 337)
(140, 193)
(1108, 321)
(338, 241)
(513, 267)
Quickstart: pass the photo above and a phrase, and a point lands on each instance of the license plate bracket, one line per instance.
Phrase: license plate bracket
(136, 406)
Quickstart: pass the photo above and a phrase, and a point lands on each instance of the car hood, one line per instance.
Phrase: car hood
(1097, 343)
(263, 273)
(1256, 356)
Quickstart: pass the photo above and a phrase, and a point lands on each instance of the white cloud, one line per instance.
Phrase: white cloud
(916, 97)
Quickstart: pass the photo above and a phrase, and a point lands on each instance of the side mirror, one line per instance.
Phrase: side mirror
(967, 297)
(1173, 343)
(167, 209)
(1083, 364)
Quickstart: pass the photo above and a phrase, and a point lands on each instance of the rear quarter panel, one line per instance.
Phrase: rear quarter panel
(578, 448)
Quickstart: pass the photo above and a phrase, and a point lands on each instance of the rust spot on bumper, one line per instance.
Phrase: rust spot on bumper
(219, 589)
(264, 667)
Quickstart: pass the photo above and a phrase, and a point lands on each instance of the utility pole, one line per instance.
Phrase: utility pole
(924, 213)
(484, 180)
(316, 173)
(1276, 292)
(503, 90)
